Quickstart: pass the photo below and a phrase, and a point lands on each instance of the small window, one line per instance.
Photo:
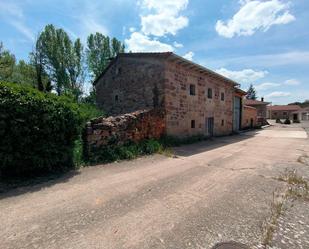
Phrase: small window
(222, 96)
(116, 98)
(222, 122)
(209, 93)
(192, 124)
(192, 89)
(285, 113)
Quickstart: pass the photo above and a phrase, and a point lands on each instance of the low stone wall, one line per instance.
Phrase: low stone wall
(118, 130)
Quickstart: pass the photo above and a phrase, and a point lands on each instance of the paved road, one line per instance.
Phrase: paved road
(213, 191)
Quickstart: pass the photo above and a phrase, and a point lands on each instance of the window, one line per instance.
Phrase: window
(222, 96)
(116, 98)
(209, 93)
(192, 124)
(192, 89)
(222, 122)
(275, 114)
(285, 113)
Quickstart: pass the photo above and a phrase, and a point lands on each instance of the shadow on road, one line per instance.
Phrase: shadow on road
(10, 187)
(211, 144)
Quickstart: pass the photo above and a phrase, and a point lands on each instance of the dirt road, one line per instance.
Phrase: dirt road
(213, 191)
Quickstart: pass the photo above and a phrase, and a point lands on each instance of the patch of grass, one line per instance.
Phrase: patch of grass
(127, 151)
(277, 208)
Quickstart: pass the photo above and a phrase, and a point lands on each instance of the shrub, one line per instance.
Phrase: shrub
(129, 151)
(287, 121)
(38, 131)
(296, 121)
(278, 121)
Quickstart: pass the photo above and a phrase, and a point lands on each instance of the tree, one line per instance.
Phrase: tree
(62, 60)
(7, 63)
(251, 93)
(99, 52)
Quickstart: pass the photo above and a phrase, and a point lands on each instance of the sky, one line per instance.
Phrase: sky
(264, 42)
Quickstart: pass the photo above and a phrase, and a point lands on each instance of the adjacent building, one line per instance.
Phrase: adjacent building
(195, 99)
(261, 108)
(292, 112)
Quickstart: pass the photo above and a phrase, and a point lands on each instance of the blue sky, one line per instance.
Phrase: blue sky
(265, 42)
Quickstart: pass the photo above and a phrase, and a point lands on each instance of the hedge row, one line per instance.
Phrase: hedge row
(37, 130)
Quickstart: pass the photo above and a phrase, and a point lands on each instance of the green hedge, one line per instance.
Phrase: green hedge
(37, 131)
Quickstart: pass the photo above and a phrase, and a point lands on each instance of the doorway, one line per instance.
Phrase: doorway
(210, 126)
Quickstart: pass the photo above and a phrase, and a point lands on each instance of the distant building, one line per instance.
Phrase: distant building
(195, 99)
(261, 107)
(303, 114)
(284, 112)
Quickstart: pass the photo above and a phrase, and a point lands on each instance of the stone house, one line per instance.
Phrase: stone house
(249, 119)
(195, 99)
(303, 114)
(261, 107)
(284, 112)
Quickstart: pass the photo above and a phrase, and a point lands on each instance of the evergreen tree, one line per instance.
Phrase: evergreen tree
(251, 93)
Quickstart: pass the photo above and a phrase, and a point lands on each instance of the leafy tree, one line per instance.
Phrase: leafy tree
(99, 52)
(251, 93)
(61, 59)
(7, 63)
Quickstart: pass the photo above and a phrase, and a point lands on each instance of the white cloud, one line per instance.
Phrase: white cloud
(266, 86)
(141, 43)
(162, 24)
(13, 14)
(278, 94)
(132, 29)
(161, 18)
(253, 16)
(166, 18)
(189, 56)
(177, 45)
(292, 82)
(243, 76)
(21, 27)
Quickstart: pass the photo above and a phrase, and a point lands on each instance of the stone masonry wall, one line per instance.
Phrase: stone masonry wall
(182, 108)
(117, 130)
(130, 84)
(249, 113)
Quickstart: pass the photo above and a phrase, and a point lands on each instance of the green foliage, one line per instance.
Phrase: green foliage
(38, 131)
(99, 51)
(128, 151)
(61, 58)
(7, 63)
(251, 93)
(301, 104)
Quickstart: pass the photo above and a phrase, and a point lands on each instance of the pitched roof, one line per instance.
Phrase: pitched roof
(249, 107)
(284, 108)
(251, 102)
(171, 57)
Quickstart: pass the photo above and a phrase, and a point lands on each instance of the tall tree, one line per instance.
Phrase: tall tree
(251, 93)
(7, 63)
(99, 52)
(60, 58)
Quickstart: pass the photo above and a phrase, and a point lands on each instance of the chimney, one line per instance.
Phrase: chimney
(262, 99)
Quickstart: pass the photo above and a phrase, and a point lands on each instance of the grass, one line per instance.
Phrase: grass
(297, 189)
(277, 208)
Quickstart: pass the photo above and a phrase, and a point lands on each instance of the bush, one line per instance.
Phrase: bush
(287, 121)
(38, 131)
(278, 121)
(129, 151)
(296, 121)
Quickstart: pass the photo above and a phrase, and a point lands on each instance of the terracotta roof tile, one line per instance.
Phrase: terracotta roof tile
(284, 108)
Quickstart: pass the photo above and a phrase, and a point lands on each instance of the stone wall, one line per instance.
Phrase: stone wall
(131, 83)
(249, 118)
(182, 108)
(117, 130)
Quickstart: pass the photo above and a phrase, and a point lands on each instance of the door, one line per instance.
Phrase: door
(236, 114)
(210, 127)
